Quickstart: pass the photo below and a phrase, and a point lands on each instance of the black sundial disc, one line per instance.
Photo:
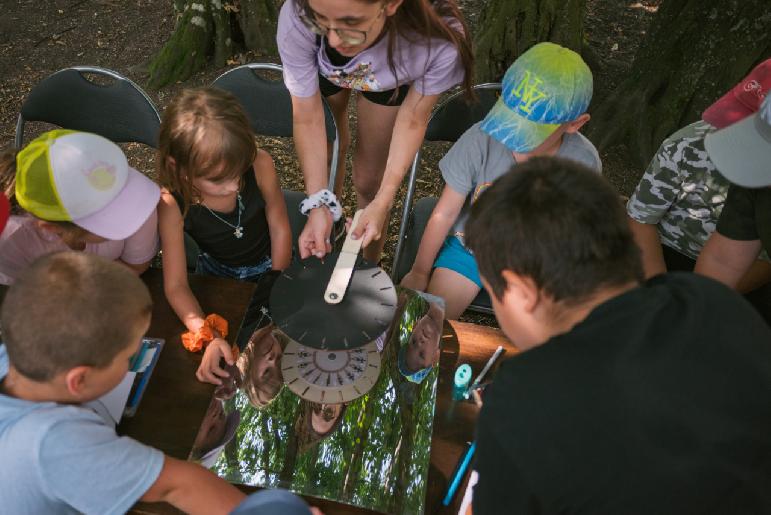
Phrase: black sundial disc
(300, 311)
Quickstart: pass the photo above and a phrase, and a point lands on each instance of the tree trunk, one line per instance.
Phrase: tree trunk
(213, 28)
(507, 28)
(695, 51)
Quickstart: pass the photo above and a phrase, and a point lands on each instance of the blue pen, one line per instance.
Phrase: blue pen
(459, 473)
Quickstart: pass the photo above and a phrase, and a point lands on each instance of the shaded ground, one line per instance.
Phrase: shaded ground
(38, 38)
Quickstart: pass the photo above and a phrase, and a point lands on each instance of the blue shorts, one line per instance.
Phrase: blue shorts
(207, 265)
(456, 257)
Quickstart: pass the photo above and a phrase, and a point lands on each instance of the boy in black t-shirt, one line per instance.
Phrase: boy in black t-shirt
(631, 397)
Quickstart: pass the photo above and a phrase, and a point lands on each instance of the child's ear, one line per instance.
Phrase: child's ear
(49, 227)
(171, 163)
(392, 6)
(75, 380)
(575, 125)
(521, 292)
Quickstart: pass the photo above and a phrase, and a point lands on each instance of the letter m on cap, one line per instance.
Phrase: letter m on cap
(527, 91)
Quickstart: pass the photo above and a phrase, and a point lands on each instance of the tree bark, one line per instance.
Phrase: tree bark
(695, 51)
(216, 29)
(507, 28)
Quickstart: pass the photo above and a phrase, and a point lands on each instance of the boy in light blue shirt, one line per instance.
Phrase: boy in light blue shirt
(546, 93)
(71, 324)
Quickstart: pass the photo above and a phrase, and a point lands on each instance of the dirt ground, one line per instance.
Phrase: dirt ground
(39, 38)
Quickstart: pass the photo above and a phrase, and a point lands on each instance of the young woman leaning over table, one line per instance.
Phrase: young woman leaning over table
(400, 55)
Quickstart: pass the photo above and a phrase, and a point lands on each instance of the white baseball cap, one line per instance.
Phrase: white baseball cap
(742, 152)
(83, 178)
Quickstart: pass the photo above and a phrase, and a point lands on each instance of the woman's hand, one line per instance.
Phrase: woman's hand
(371, 222)
(210, 371)
(314, 238)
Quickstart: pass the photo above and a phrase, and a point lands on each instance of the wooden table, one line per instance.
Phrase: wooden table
(454, 421)
(174, 404)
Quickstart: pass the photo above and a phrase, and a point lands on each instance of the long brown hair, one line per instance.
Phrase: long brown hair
(207, 134)
(8, 176)
(428, 19)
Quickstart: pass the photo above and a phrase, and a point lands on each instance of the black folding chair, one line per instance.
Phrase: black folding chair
(269, 107)
(119, 110)
(449, 121)
(114, 107)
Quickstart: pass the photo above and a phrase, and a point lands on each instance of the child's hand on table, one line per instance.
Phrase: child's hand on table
(210, 371)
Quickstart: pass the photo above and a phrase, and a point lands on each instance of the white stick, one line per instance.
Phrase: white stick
(341, 274)
(488, 365)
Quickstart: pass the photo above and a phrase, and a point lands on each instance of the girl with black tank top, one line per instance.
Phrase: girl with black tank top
(223, 192)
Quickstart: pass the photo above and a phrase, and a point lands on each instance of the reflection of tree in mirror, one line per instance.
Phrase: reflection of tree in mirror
(377, 456)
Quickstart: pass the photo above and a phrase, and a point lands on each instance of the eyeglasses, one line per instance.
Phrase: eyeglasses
(347, 36)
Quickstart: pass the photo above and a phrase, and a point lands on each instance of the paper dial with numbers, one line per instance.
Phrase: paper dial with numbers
(330, 376)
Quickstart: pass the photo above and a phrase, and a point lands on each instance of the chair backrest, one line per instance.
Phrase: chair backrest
(448, 122)
(119, 110)
(268, 104)
(455, 115)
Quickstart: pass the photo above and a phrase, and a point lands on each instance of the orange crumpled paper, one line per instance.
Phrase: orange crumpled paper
(195, 341)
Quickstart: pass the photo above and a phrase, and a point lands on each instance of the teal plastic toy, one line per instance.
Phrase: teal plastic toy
(461, 382)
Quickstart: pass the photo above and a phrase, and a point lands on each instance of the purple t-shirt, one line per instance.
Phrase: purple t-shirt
(432, 68)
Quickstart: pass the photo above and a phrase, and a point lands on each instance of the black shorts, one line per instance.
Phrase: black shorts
(382, 98)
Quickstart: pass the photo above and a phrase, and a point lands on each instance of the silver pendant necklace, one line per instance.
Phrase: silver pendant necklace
(239, 230)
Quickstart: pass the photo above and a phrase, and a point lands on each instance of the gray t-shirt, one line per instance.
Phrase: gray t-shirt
(59, 458)
(476, 160)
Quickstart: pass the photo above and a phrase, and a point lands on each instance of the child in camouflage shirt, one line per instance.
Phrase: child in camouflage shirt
(678, 201)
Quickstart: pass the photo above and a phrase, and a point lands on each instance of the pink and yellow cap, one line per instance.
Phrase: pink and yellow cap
(83, 178)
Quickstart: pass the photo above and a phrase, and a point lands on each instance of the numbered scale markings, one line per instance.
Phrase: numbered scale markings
(330, 376)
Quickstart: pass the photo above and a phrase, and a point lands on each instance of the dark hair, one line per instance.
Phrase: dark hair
(71, 309)
(203, 129)
(427, 19)
(558, 223)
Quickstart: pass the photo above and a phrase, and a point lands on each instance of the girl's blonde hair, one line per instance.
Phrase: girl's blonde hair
(207, 134)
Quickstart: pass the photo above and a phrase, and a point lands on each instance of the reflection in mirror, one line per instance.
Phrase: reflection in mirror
(316, 422)
(373, 448)
(217, 429)
(421, 351)
(259, 365)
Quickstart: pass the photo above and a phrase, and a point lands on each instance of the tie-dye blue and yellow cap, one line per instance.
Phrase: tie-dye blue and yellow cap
(545, 87)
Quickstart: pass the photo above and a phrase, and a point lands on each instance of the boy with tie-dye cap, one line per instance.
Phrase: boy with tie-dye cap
(546, 93)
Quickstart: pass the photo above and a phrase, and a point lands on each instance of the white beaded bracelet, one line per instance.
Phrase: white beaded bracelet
(322, 198)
